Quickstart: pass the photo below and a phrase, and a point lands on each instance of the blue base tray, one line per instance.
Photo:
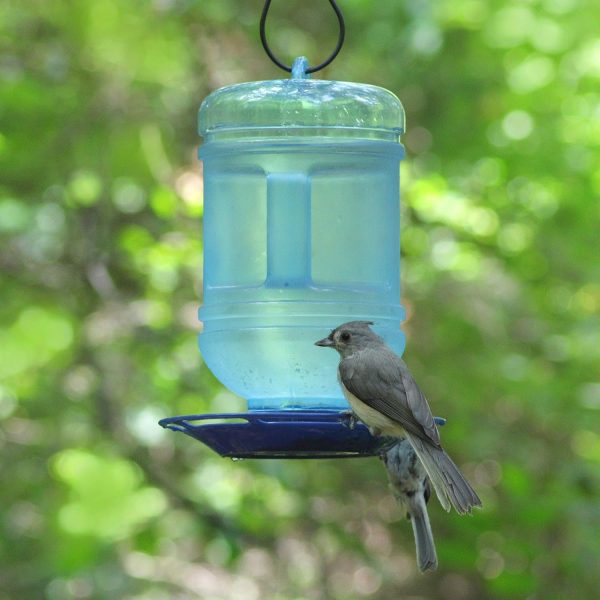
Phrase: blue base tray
(282, 434)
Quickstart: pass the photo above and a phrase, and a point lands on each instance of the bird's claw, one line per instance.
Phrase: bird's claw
(349, 419)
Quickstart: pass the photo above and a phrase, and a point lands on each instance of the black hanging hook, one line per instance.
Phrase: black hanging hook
(340, 42)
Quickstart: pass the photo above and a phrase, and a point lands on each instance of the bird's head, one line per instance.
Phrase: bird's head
(350, 338)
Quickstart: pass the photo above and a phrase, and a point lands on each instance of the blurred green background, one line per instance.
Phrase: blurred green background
(101, 252)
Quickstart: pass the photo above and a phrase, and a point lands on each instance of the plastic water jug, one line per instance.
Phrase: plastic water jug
(301, 232)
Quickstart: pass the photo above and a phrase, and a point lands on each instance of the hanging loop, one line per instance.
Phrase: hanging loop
(265, 43)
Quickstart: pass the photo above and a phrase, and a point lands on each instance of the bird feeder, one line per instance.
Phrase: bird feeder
(301, 233)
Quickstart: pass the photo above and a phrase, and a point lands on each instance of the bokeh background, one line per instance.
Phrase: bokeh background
(101, 253)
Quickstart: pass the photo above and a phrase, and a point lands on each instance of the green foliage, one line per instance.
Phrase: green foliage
(100, 214)
(105, 501)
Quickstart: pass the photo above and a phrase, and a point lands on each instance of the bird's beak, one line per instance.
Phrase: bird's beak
(325, 343)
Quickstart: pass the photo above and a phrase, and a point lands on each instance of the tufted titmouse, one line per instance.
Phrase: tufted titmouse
(410, 485)
(386, 398)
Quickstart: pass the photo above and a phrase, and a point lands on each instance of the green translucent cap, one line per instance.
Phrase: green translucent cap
(298, 105)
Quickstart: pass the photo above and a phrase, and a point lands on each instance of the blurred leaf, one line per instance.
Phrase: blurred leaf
(107, 499)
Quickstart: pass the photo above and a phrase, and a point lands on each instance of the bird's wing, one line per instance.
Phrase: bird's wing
(381, 380)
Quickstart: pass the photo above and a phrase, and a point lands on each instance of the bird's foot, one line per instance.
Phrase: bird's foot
(349, 419)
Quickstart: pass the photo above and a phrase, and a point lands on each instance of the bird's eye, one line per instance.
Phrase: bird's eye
(345, 336)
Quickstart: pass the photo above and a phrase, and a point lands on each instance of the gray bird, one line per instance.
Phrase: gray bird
(386, 398)
(410, 485)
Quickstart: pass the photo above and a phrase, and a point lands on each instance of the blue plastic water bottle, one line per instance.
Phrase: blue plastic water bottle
(301, 231)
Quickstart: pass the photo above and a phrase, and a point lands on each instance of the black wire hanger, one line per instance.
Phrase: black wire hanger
(265, 43)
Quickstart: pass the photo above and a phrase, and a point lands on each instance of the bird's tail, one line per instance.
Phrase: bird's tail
(451, 487)
(426, 555)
